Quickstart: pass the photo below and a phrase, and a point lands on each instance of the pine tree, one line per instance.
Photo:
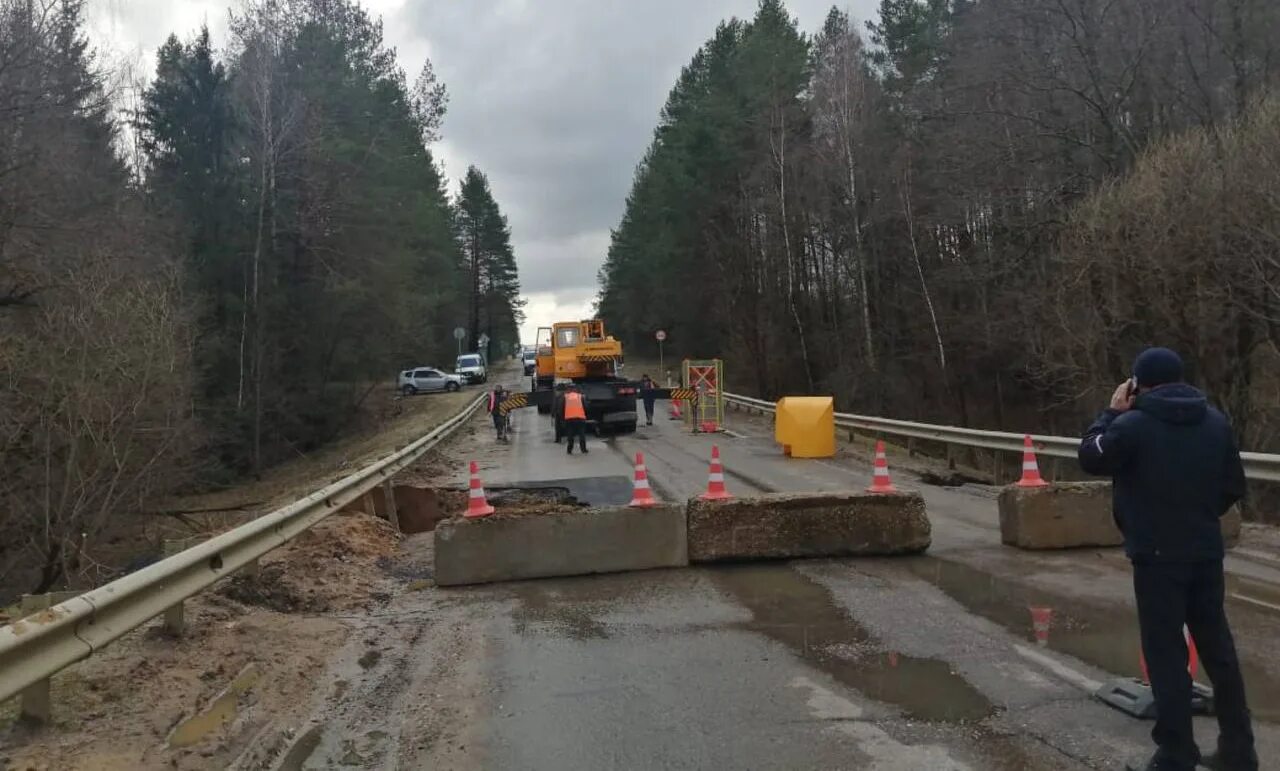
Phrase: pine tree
(494, 286)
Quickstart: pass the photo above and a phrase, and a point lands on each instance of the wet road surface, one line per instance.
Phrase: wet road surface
(910, 663)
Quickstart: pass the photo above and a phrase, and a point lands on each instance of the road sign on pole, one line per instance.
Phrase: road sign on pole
(459, 334)
(662, 336)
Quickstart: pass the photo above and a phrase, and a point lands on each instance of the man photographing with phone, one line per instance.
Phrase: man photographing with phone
(1175, 471)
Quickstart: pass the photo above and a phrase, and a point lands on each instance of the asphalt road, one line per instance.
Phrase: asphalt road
(909, 663)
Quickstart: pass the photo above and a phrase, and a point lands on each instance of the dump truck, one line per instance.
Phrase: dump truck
(580, 352)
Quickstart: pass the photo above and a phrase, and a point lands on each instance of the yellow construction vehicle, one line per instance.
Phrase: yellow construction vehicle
(580, 352)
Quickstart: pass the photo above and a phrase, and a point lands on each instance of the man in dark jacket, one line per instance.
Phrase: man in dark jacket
(648, 395)
(1175, 471)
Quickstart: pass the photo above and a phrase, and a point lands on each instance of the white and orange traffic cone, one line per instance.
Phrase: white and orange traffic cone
(1030, 469)
(1041, 618)
(715, 479)
(880, 481)
(675, 413)
(642, 498)
(477, 504)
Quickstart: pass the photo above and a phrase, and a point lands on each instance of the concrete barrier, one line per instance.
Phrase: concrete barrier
(1069, 515)
(562, 543)
(786, 525)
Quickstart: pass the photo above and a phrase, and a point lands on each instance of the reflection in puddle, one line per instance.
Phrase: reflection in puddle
(222, 711)
(799, 613)
(1105, 638)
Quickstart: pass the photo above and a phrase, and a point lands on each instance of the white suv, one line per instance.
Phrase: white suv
(471, 368)
(413, 381)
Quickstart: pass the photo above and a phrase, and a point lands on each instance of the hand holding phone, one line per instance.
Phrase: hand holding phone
(1122, 399)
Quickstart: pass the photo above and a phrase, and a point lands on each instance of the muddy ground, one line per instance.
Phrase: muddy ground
(131, 706)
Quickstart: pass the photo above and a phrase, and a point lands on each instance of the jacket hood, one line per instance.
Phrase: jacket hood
(1177, 403)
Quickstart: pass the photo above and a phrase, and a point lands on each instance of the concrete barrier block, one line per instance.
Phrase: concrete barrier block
(1069, 515)
(787, 525)
(561, 543)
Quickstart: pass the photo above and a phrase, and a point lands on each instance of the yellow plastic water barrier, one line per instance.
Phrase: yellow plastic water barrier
(805, 426)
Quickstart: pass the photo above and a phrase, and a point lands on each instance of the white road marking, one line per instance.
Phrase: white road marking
(885, 752)
(1254, 601)
(1078, 679)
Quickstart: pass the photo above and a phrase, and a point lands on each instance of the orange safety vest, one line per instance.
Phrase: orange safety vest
(573, 407)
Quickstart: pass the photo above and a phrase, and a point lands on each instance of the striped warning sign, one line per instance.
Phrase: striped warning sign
(513, 402)
(596, 357)
(684, 393)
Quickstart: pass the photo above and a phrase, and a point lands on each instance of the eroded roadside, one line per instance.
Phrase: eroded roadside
(241, 670)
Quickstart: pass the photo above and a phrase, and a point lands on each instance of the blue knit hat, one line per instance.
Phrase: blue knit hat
(1157, 367)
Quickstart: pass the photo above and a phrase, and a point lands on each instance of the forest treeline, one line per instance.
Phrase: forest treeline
(969, 212)
(214, 280)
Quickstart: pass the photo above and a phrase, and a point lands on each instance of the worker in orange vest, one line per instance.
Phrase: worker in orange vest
(575, 418)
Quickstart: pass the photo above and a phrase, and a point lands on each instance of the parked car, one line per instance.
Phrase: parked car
(471, 368)
(530, 359)
(424, 379)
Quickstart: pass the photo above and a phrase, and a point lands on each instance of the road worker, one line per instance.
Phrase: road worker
(1175, 470)
(648, 396)
(575, 417)
(496, 398)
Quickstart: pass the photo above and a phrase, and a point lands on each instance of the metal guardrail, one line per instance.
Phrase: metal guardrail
(1258, 466)
(36, 647)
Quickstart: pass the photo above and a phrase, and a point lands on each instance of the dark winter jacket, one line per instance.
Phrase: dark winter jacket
(648, 394)
(1175, 471)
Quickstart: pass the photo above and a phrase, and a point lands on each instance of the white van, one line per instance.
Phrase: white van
(471, 367)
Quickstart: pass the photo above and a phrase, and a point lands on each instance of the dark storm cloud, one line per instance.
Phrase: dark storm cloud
(556, 101)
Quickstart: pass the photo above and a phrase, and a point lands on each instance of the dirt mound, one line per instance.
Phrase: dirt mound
(514, 501)
(330, 567)
(271, 590)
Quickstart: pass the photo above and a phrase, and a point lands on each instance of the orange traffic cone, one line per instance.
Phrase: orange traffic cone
(675, 413)
(643, 496)
(477, 504)
(1041, 618)
(1030, 469)
(715, 479)
(880, 481)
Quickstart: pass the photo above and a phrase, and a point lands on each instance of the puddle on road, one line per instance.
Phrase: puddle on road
(801, 614)
(539, 607)
(222, 711)
(1104, 637)
(301, 749)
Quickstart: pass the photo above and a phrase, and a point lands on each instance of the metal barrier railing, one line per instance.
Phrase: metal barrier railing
(34, 648)
(1263, 467)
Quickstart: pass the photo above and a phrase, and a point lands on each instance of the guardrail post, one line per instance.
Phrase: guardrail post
(911, 447)
(36, 705)
(389, 495)
(951, 457)
(175, 618)
(995, 467)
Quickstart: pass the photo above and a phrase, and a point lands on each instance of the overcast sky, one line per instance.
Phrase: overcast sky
(555, 100)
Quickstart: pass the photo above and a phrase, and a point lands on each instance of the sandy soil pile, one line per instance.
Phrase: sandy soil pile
(273, 632)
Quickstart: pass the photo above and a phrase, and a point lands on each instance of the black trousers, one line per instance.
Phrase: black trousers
(576, 429)
(648, 410)
(1170, 595)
